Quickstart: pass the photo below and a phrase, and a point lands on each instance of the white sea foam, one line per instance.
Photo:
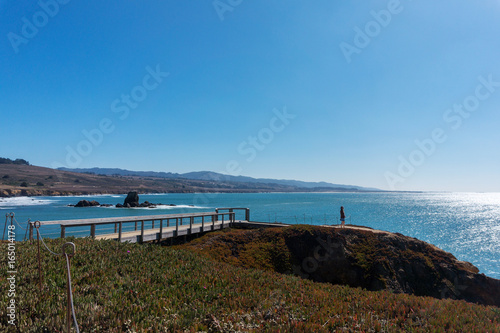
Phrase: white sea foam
(24, 201)
(164, 207)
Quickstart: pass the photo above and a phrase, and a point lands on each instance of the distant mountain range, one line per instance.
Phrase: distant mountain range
(218, 177)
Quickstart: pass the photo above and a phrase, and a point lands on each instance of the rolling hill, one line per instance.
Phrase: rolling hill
(30, 180)
(214, 176)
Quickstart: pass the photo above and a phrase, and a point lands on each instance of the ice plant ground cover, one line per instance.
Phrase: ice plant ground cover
(131, 287)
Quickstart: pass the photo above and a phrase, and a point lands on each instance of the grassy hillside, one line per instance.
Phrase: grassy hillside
(353, 256)
(136, 288)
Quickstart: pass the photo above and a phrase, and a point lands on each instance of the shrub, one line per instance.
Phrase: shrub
(24, 184)
(18, 161)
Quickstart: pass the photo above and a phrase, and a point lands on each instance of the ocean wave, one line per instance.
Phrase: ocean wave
(24, 201)
(167, 207)
(91, 196)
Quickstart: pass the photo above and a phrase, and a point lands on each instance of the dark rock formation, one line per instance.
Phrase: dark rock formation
(132, 200)
(360, 257)
(86, 203)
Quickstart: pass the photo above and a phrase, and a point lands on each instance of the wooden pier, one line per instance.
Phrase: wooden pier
(152, 227)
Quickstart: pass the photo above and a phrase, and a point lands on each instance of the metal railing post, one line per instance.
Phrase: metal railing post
(31, 230)
(142, 231)
(120, 232)
(39, 260)
(161, 228)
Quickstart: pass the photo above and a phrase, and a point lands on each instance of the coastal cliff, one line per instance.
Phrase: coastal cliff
(357, 257)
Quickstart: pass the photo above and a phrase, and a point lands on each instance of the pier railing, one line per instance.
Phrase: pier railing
(198, 222)
(232, 209)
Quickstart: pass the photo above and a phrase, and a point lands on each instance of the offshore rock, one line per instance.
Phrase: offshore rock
(132, 199)
(86, 203)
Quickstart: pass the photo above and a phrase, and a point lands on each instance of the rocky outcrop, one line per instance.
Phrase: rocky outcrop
(86, 203)
(360, 257)
(92, 203)
(132, 200)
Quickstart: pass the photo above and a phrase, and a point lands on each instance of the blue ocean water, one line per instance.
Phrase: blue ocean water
(465, 224)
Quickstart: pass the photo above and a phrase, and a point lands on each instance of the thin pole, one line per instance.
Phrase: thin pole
(5, 225)
(161, 227)
(68, 302)
(39, 260)
(68, 281)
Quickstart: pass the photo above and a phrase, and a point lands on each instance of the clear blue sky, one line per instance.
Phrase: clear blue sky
(334, 91)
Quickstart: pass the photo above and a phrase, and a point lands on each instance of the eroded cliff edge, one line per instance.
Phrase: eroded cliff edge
(358, 257)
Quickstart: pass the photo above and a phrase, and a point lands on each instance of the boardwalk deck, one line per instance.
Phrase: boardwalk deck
(167, 226)
(167, 232)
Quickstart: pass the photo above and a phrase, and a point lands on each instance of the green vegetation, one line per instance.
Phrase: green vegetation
(18, 161)
(131, 287)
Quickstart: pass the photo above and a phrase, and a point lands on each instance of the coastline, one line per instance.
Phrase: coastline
(30, 180)
(429, 217)
(33, 192)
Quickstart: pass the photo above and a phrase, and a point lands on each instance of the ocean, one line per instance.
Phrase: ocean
(464, 224)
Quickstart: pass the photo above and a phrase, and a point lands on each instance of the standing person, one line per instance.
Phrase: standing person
(342, 217)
